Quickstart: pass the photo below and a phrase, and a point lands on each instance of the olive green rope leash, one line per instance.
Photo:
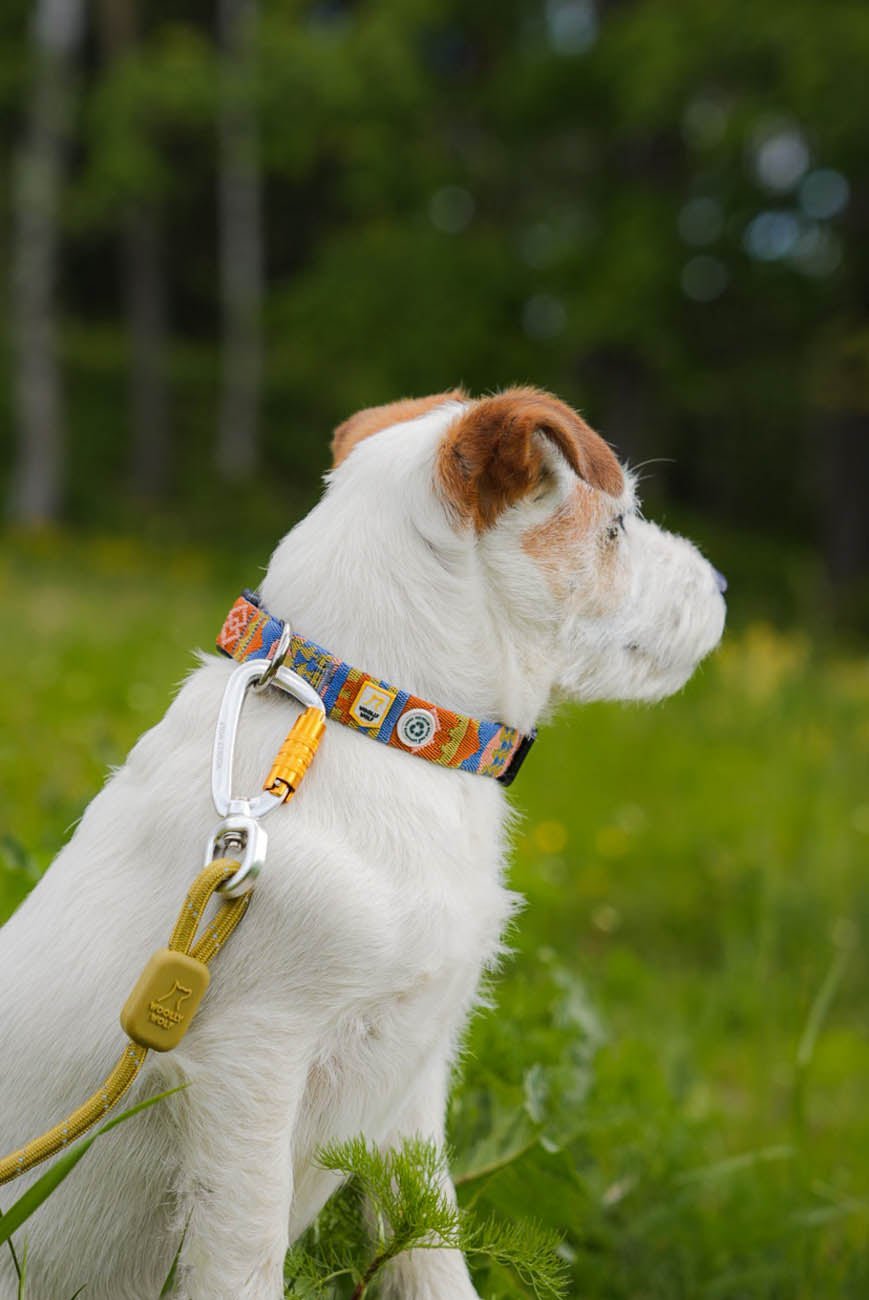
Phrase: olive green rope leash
(156, 1014)
(170, 988)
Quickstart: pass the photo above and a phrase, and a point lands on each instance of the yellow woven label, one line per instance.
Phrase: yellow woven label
(164, 999)
(371, 705)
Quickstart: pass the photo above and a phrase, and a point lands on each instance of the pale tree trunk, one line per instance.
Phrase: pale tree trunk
(241, 252)
(39, 172)
(143, 274)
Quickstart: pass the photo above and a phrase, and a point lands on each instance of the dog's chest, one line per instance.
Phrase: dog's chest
(393, 870)
(404, 1020)
(411, 998)
(397, 935)
(407, 909)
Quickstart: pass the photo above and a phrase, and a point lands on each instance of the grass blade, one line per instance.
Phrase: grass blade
(27, 1204)
(14, 1256)
(814, 1024)
(22, 1273)
(168, 1285)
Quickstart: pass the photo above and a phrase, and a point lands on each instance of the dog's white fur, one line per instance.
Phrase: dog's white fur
(337, 1006)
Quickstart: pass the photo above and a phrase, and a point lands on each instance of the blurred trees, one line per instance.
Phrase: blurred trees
(241, 240)
(143, 278)
(36, 189)
(656, 210)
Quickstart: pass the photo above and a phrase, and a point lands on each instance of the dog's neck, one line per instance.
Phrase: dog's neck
(390, 605)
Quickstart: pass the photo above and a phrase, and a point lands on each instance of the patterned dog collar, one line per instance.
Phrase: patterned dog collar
(367, 704)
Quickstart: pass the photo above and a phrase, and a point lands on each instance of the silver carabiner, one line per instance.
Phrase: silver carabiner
(246, 675)
(244, 839)
(238, 832)
(224, 746)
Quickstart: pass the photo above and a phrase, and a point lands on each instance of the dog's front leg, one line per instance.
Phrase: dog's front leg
(428, 1274)
(236, 1187)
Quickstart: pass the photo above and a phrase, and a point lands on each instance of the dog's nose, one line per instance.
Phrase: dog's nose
(720, 581)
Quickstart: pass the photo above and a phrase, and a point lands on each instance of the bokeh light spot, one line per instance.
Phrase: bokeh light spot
(781, 158)
(704, 278)
(550, 837)
(771, 235)
(606, 918)
(817, 251)
(571, 25)
(451, 209)
(824, 193)
(543, 316)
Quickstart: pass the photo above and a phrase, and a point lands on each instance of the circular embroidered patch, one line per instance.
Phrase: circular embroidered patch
(416, 727)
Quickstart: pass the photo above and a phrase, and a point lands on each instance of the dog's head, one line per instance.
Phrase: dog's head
(522, 500)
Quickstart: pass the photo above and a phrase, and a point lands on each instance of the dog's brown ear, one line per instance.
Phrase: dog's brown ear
(490, 458)
(374, 418)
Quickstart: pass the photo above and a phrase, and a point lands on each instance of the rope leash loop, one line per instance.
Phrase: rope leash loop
(168, 992)
(166, 998)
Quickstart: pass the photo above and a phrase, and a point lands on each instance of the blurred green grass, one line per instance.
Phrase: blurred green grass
(675, 1071)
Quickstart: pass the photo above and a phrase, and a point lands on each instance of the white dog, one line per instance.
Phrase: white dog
(486, 555)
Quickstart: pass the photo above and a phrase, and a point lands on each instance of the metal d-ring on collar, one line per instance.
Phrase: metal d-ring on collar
(239, 833)
(276, 660)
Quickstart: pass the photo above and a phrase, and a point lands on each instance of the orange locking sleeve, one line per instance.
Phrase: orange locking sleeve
(296, 754)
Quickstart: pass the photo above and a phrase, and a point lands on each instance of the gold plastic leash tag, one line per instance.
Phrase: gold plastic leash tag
(164, 999)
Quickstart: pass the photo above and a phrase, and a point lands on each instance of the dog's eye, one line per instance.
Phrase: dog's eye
(617, 526)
